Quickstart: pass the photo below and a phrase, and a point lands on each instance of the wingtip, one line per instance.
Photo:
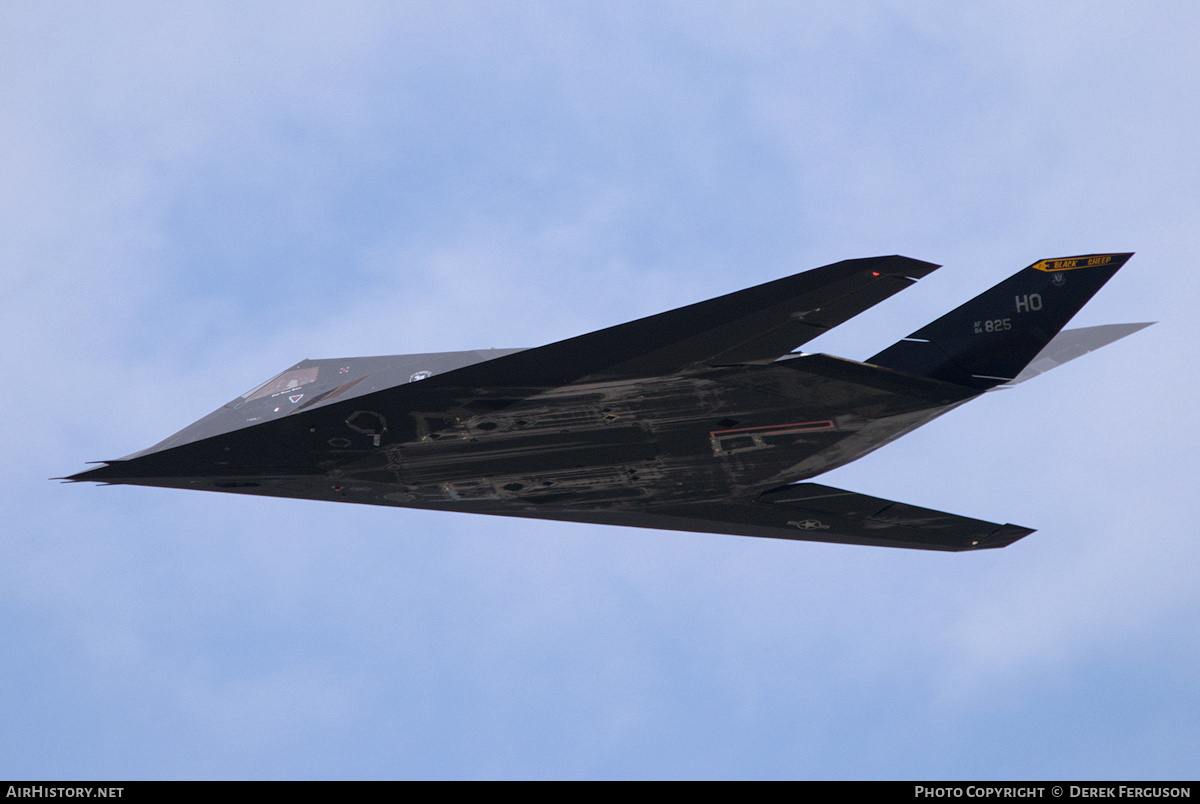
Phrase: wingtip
(892, 265)
(912, 268)
(1002, 537)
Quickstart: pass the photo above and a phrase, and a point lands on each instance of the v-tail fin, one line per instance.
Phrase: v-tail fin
(992, 338)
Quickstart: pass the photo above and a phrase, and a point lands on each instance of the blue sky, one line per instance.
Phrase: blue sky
(196, 196)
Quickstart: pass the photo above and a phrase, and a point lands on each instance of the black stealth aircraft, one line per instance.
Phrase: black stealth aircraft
(699, 419)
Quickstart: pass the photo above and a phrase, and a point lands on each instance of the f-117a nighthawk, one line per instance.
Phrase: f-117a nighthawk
(702, 419)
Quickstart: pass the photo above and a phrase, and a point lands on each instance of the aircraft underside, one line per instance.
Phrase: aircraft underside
(700, 419)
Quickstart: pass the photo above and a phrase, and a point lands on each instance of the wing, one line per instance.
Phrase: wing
(804, 512)
(812, 512)
(756, 325)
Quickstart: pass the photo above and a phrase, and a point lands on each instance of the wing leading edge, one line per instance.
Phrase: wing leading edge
(755, 325)
(752, 326)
